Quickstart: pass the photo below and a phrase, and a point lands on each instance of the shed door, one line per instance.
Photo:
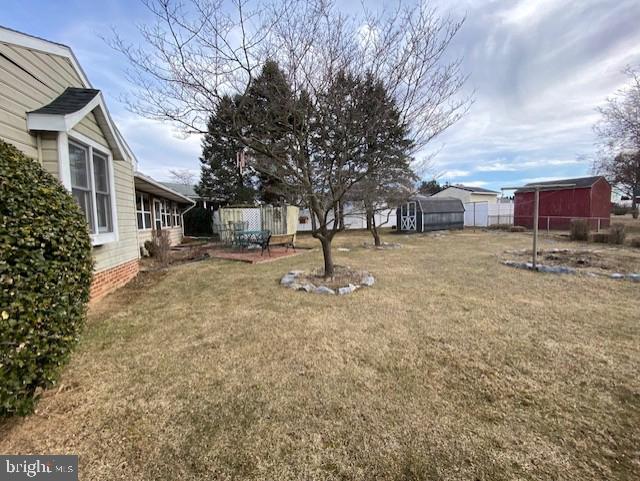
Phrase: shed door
(408, 216)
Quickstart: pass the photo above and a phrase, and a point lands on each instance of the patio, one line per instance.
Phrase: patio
(253, 256)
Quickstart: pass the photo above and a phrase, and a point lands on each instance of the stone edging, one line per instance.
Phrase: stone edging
(570, 270)
(290, 280)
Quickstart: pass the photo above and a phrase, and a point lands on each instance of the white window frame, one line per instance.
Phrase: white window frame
(149, 205)
(177, 221)
(65, 171)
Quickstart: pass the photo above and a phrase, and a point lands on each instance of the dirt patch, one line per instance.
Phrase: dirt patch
(343, 276)
(590, 260)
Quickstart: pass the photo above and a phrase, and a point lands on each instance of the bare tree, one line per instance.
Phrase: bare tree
(182, 176)
(197, 51)
(618, 134)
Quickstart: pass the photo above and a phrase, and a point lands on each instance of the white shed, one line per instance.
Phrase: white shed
(468, 194)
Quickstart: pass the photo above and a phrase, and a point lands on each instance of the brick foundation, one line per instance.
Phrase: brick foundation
(109, 280)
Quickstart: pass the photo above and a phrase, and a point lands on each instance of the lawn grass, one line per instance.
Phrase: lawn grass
(451, 367)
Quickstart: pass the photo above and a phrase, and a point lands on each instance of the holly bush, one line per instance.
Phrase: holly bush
(45, 277)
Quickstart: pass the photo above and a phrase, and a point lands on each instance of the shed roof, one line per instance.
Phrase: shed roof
(579, 182)
(433, 205)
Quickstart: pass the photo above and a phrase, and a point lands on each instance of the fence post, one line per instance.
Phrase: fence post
(598, 224)
(548, 218)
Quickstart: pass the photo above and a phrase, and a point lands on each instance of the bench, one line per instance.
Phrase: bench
(287, 240)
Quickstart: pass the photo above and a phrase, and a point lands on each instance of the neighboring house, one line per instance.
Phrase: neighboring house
(50, 111)
(468, 194)
(589, 198)
(159, 207)
(190, 192)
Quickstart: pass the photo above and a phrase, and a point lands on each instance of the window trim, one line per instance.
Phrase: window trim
(63, 147)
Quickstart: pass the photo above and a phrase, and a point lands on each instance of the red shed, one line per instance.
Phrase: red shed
(590, 199)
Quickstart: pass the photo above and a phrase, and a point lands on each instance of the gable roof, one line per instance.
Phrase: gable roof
(184, 189)
(433, 205)
(471, 188)
(578, 182)
(32, 42)
(147, 184)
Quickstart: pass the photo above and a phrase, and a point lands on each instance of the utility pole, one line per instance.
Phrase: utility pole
(536, 188)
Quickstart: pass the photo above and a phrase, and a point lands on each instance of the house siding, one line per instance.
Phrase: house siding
(30, 79)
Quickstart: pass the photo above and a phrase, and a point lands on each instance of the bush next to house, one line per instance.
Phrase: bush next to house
(45, 276)
(579, 230)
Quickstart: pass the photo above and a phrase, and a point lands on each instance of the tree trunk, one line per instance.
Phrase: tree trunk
(328, 259)
(340, 216)
(369, 215)
(375, 233)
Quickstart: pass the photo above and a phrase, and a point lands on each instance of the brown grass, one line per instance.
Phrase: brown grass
(451, 367)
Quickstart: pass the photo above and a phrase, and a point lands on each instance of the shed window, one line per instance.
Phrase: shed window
(91, 186)
(143, 211)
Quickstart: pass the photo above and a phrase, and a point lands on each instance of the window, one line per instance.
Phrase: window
(176, 214)
(91, 186)
(166, 214)
(157, 210)
(143, 211)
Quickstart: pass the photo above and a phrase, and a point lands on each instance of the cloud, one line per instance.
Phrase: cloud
(158, 146)
(455, 173)
(539, 70)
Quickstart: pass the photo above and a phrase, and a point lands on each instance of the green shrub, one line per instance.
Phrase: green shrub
(617, 233)
(635, 242)
(634, 213)
(45, 277)
(579, 230)
(517, 228)
(600, 237)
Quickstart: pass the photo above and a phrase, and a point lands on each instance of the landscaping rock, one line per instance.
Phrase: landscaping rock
(324, 290)
(288, 279)
(346, 290)
(368, 280)
(634, 277)
(616, 275)
(307, 287)
(343, 249)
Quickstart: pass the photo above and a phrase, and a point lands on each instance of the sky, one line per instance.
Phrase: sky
(538, 70)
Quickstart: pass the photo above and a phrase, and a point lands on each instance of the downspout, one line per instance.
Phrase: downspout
(182, 217)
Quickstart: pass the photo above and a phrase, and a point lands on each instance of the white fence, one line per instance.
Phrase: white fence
(354, 218)
(483, 214)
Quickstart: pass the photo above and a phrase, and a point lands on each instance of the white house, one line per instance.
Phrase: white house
(469, 194)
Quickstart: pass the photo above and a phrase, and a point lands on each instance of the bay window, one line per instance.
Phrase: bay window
(91, 187)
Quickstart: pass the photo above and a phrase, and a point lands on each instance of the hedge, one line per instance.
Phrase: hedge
(45, 277)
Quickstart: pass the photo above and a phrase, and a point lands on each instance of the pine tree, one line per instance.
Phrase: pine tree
(221, 178)
(266, 113)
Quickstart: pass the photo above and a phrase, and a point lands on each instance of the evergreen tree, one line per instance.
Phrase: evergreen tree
(266, 114)
(221, 178)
